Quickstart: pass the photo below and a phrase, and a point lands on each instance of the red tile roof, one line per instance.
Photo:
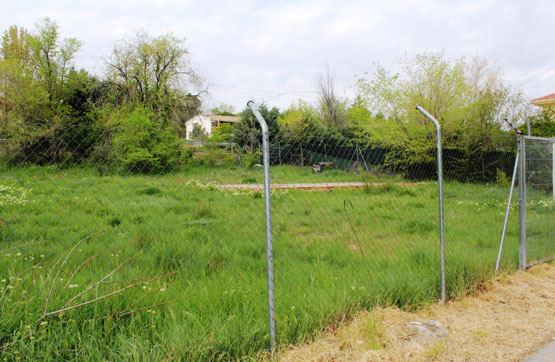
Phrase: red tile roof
(547, 98)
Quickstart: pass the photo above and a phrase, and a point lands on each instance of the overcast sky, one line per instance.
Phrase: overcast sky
(261, 49)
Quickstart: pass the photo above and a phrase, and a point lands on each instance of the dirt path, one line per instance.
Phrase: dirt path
(508, 321)
(312, 186)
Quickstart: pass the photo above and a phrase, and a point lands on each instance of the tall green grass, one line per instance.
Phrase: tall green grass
(335, 253)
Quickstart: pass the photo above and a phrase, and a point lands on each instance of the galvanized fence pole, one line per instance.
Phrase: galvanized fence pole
(440, 185)
(508, 211)
(267, 200)
(522, 201)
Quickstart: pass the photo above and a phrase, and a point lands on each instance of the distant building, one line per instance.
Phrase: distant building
(208, 123)
(546, 102)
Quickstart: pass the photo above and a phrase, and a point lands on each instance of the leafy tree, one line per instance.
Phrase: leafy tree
(223, 110)
(53, 61)
(139, 143)
(299, 121)
(466, 97)
(156, 72)
(36, 70)
(222, 134)
(542, 125)
(247, 133)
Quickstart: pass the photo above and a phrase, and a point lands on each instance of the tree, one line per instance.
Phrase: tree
(247, 133)
(542, 125)
(140, 144)
(35, 68)
(22, 97)
(53, 61)
(466, 97)
(223, 110)
(156, 72)
(332, 109)
(299, 121)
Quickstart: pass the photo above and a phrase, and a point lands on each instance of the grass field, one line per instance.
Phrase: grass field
(186, 263)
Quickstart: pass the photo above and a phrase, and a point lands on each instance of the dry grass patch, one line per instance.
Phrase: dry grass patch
(507, 321)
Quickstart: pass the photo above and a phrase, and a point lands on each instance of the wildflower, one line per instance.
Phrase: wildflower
(71, 286)
(42, 324)
(162, 289)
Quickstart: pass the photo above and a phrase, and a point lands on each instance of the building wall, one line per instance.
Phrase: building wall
(202, 121)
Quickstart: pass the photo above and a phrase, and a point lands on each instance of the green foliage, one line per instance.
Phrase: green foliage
(299, 121)
(223, 110)
(542, 125)
(140, 144)
(154, 71)
(221, 134)
(501, 179)
(466, 97)
(198, 133)
(247, 133)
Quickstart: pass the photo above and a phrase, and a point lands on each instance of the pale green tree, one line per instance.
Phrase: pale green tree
(158, 73)
(466, 96)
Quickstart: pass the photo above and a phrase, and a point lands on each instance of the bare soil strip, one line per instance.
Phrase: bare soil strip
(507, 321)
(313, 186)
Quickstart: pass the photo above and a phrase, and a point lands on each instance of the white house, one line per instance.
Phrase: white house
(208, 123)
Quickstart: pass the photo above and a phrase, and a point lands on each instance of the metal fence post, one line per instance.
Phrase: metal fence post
(440, 185)
(522, 201)
(508, 211)
(269, 251)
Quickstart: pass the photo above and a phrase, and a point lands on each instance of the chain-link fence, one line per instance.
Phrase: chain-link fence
(539, 217)
(156, 249)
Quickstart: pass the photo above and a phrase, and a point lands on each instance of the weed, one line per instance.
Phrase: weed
(374, 332)
(501, 179)
(204, 211)
(150, 190)
(436, 349)
(249, 180)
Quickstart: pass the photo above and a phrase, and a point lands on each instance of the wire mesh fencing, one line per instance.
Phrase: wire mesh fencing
(172, 267)
(140, 239)
(539, 159)
(357, 225)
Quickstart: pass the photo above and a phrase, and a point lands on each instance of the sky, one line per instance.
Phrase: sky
(273, 51)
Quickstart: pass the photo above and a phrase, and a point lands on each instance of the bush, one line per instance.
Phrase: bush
(501, 179)
(142, 145)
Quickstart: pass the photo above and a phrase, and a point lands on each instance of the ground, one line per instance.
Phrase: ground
(506, 321)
